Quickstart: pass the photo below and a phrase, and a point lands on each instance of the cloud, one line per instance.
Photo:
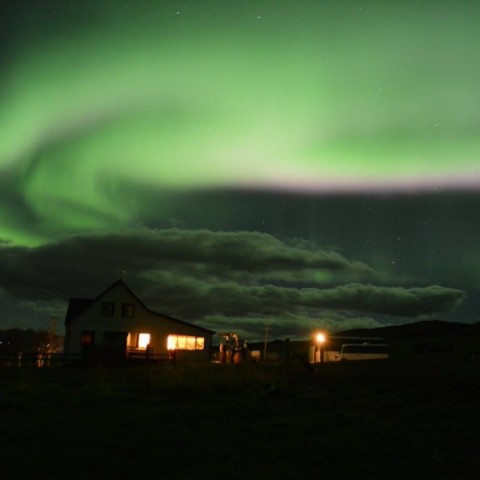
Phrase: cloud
(233, 299)
(247, 257)
(398, 301)
(288, 325)
(202, 275)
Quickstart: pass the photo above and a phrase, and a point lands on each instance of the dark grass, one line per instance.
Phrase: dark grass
(399, 419)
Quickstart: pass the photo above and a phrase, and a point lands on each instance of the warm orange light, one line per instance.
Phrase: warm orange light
(172, 342)
(185, 342)
(320, 338)
(143, 340)
(200, 343)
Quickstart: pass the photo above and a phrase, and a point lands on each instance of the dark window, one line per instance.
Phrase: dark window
(128, 310)
(108, 309)
(88, 337)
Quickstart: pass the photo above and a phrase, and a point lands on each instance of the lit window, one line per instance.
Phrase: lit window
(143, 340)
(185, 342)
(172, 342)
(181, 342)
(190, 343)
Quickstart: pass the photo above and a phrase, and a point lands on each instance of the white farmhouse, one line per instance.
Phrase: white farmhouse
(116, 324)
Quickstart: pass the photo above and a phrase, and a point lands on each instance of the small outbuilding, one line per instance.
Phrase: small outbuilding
(116, 324)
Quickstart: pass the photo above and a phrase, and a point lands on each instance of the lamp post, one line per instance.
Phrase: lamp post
(320, 338)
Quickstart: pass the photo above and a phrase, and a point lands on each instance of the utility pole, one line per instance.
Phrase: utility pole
(266, 341)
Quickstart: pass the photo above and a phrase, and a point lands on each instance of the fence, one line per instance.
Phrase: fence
(33, 359)
(97, 356)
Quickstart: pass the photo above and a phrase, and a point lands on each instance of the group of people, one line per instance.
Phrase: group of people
(232, 349)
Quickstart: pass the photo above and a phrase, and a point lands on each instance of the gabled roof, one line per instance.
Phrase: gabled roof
(76, 306)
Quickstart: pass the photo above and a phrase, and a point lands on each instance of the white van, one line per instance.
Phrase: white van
(362, 351)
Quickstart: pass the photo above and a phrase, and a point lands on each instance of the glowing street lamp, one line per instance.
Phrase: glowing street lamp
(320, 339)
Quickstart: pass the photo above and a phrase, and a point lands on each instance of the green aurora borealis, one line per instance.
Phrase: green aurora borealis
(302, 96)
(311, 119)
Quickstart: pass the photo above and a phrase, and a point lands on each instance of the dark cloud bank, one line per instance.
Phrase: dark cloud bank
(220, 279)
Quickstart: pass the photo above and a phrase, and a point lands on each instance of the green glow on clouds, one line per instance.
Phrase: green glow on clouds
(286, 95)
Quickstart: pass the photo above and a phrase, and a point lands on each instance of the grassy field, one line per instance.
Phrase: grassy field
(407, 419)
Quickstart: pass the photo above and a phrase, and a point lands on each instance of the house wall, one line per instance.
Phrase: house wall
(143, 321)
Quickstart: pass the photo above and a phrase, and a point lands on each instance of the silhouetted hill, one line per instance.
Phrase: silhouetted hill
(432, 336)
(419, 331)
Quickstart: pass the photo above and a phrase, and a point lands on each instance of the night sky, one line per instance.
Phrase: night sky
(315, 163)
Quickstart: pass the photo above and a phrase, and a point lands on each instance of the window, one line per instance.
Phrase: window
(185, 342)
(143, 340)
(200, 343)
(108, 309)
(128, 310)
(87, 338)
